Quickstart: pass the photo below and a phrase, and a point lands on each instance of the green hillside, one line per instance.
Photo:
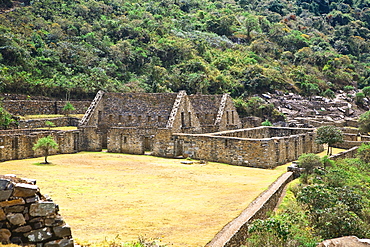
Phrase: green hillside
(209, 46)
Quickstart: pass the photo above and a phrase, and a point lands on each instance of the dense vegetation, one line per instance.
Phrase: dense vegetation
(330, 202)
(210, 46)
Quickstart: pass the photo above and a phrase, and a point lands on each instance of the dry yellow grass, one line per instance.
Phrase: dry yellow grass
(104, 194)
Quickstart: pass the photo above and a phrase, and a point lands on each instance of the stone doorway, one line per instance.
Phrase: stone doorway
(148, 144)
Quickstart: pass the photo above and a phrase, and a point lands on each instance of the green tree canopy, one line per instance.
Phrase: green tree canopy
(68, 108)
(46, 144)
(329, 135)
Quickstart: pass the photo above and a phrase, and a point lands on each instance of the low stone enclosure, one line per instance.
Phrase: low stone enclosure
(18, 144)
(29, 218)
(264, 147)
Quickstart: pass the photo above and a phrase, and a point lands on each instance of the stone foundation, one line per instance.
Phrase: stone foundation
(29, 218)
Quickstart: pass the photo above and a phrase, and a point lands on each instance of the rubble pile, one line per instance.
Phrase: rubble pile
(29, 218)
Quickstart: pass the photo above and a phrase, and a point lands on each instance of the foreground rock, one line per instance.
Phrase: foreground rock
(29, 218)
(351, 241)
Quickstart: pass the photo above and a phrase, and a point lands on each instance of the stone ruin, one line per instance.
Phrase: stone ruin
(29, 218)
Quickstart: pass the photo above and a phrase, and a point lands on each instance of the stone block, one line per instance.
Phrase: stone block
(14, 209)
(26, 228)
(39, 235)
(16, 240)
(16, 219)
(42, 209)
(4, 183)
(5, 194)
(25, 190)
(67, 242)
(4, 236)
(19, 201)
(62, 231)
(2, 214)
(55, 221)
(32, 199)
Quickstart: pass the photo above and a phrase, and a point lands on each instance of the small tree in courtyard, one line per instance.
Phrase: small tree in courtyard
(68, 108)
(329, 135)
(46, 144)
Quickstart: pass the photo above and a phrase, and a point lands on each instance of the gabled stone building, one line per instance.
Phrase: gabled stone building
(129, 122)
(198, 126)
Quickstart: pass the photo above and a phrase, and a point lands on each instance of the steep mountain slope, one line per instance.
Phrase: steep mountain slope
(242, 47)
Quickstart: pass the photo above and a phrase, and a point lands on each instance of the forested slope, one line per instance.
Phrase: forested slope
(51, 47)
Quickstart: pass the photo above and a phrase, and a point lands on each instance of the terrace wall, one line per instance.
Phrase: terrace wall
(41, 107)
(40, 123)
(350, 153)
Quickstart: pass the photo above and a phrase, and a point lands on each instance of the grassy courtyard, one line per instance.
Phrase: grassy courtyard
(102, 195)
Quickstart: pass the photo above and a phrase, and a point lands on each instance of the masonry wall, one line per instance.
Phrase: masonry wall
(29, 218)
(40, 107)
(235, 233)
(40, 123)
(90, 139)
(131, 140)
(263, 153)
(263, 132)
(18, 144)
(350, 153)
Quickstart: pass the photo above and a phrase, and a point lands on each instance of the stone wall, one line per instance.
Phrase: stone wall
(349, 144)
(350, 153)
(263, 153)
(29, 218)
(90, 139)
(235, 233)
(18, 144)
(263, 132)
(40, 123)
(40, 107)
(131, 140)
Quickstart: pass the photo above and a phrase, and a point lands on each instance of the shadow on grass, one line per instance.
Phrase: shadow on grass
(43, 164)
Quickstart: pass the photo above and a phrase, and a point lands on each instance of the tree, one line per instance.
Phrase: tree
(68, 108)
(46, 144)
(309, 162)
(364, 122)
(329, 135)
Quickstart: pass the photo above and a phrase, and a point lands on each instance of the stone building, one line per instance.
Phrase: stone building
(134, 119)
(198, 126)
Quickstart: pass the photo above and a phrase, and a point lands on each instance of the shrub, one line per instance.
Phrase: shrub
(364, 122)
(359, 98)
(348, 88)
(266, 123)
(68, 108)
(363, 152)
(309, 162)
(328, 93)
